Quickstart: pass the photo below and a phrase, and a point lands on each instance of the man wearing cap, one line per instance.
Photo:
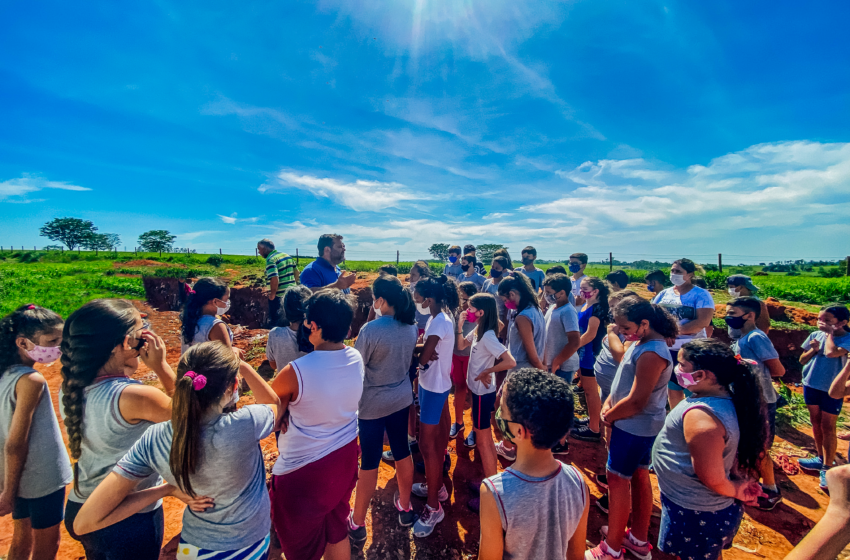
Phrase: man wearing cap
(741, 285)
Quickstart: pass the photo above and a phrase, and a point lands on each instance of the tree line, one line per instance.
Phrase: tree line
(74, 233)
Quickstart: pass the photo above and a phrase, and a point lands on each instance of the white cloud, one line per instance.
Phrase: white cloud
(192, 235)
(497, 215)
(232, 219)
(22, 186)
(358, 195)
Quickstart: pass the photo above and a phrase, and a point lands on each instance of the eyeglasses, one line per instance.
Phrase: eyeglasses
(146, 325)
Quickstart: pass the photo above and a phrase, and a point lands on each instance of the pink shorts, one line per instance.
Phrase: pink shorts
(459, 366)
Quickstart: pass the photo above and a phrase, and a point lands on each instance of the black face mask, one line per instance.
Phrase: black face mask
(304, 344)
(495, 273)
(527, 260)
(735, 322)
(464, 267)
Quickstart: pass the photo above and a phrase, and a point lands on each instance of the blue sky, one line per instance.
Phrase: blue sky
(650, 129)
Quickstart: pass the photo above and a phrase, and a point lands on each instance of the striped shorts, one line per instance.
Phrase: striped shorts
(257, 551)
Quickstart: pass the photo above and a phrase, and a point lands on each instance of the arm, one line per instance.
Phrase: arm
(526, 334)
(285, 386)
(832, 350)
(429, 350)
(274, 282)
(506, 362)
(649, 368)
(839, 388)
(832, 533)
(461, 343)
(775, 367)
(492, 543)
(263, 394)
(703, 319)
(114, 500)
(814, 347)
(570, 348)
(219, 333)
(618, 350)
(153, 355)
(28, 391)
(590, 333)
(578, 542)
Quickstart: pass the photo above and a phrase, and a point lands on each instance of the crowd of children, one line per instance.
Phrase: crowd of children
(514, 348)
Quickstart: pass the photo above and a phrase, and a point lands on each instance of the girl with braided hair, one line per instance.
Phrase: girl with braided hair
(34, 469)
(207, 456)
(105, 412)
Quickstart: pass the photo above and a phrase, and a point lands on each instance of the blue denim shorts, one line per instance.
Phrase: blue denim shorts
(822, 400)
(431, 406)
(628, 453)
(697, 535)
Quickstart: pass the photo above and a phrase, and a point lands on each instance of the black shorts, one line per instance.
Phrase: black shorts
(482, 407)
(139, 537)
(587, 372)
(372, 438)
(44, 512)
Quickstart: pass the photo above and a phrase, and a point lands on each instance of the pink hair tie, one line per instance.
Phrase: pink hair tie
(189, 290)
(31, 306)
(198, 380)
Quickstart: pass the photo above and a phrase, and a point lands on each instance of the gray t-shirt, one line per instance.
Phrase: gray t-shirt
(756, 346)
(386, 346)
(453, 270)
(230, 470)
(202, 331)
(536, 277)
(821, 371)
(606, 368)
(47, 468)
(538, 326)
(559, 322)
(282, 347)
(468, 327)
(493, 289)
(671, 457)
(539, 514)
(476, 279)
(649, 421)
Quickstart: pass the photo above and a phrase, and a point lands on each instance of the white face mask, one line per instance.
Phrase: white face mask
(551, 299)
(422, 309)
(377, 309)
(677, 279)
(223, 310)
(733, 292)
(234, 398)
(44, 354)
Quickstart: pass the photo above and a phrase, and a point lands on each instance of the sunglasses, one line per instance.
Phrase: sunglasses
(146, 325)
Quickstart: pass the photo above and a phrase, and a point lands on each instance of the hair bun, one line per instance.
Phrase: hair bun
(442, 279)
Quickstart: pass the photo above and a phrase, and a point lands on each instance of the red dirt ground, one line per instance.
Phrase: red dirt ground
(762, 534)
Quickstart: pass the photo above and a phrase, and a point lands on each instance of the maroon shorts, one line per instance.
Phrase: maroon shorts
(310, 506)
(459, 366)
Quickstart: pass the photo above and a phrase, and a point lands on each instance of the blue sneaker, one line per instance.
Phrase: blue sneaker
(823, 485)
(811, 464)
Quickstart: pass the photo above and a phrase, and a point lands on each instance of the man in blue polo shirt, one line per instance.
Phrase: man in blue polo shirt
(323, 272)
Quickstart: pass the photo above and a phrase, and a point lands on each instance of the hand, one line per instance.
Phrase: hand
(6, 504)
(670, 342)
(815, 345)
(838, 479)
(198, 504)
(153, 352)
(556, 365)
(461, 319)
(748, 491)
(239, 352)
(284, 423)
(613, 328)
(346, 279)
(272, 296)
(485, 377)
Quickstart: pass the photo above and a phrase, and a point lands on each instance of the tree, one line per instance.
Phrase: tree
(485, 252)
(440, 251)
(101, 242)
(157, 241)
(71, 232)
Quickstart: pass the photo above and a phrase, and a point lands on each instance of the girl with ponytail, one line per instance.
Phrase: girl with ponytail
(208, 458)
(386, 345)
(708, 455)
(207, 300)
(283, 345)
(105, 412)
(635, 411)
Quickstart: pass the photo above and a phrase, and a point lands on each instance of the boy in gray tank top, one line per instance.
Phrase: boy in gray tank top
(538, 507)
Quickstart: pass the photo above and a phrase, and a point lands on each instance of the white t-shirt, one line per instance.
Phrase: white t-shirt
(683, 306)
(437, 378)
(483, 355)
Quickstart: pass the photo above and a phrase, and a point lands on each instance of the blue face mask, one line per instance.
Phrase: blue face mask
(650, 288)
(575, 268)
(453, 259)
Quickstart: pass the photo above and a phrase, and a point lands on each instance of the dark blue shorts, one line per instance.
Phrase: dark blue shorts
(822, 400)
(482, 406)
(372, 438)
(628, 453)
(697, 535)
(44, 512)
(431, 406)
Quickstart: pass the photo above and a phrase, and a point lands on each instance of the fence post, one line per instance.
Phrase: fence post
(396, 258)
(610, 262)
(219, 252)
(255, 252)
(720, 262)
(297, 258)
(848, 267)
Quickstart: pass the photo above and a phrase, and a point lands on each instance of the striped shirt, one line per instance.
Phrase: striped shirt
(283, 266)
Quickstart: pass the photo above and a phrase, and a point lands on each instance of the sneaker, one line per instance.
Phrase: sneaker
(470, 440)
(421, 489)
(811, 464)
(424, 526)
(602, 552)
(561, 448)
(356, 533)
(474, 504)
(405, 518)
(771, 501)
(602, 480)
(584, 433)
(388, 456)
(455, 430)
(602, 503)
(823, 484)
(641, 551)
(506, 452)
(581, 421)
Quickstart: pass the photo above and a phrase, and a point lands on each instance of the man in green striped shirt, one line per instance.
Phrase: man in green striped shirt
(281, 274)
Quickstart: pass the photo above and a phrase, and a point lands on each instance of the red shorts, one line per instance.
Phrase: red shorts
(459, 366)
(310, 506)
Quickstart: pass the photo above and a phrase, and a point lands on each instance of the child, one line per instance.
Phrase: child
(386, 345)
(754, 345)
(740, 285)
(526, 334)
(618, 280)
(209, 458)
(577, 264)
(453, 270)
(538, 507)
(460, 363)
(470, 274)
(439, 297)
(708, 451)
(282, 346)
(592, 321)
(207, 300)
(106, 412)
(479, 266)
(560, 350)
(825, 353)
(316, 470)
(635, 411)
(656, 281)
(35, 467)
(481, 378)
(418, 271)
(535, 275)
(503, 252)
(498, 269)
(388, 269)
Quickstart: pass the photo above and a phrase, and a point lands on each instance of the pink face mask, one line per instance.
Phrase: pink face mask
(471, 317)
(510, 305)
(586, 295)
(684, 378)
(45, 354)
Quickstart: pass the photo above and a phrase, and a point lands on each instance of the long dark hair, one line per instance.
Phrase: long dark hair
(295, 303)
(503, 252)
(490, 320)
(520, 283)
(743, 384)
(840, 312)
(442, 290)
(204, 290)
(636, 310)
(600, 308)
(90, 335)
(218, 365)
(28, 321)
(391, 289)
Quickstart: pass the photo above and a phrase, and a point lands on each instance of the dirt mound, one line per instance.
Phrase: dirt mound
(779, 312)
(146, 262)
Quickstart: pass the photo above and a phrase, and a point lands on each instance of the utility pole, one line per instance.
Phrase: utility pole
(610, 262)
(396, 258)
(720, 262)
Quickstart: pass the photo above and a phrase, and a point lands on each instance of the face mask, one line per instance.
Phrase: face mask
(495, 273)
(733, 292)
(734, 334)
(551, 299)
(684, 378)
(510, 305)
(464, 267)
(503, 425)
(453, 259)
(527, 260)
(413, 285)
(471, 317)
(586, 295)
(377, 309)
(634, 337)
(422, 309)
(735, 322)
(223, 310)
(44, 354)
(574, 267)
(234, 398)
(677, 279)
(650, 288)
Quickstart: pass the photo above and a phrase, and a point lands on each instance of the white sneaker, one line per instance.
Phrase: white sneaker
(421, 489)
(508, 453)
(424, 526)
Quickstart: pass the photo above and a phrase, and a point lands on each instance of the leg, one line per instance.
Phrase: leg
(829, 431)
(619, 498)
(367, 482)
(817, 422)
(22, 537)
(594, 404)
(766, 471)
(432, 453)
(46, 543)
(487, 451)
(641, 504)
(371, 432)
(397, 435)
(404, 476)
(338, 551)
(460, 402)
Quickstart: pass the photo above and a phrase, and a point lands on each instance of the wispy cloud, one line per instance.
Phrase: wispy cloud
(232, 219)
(17, 189)
(193, 235)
